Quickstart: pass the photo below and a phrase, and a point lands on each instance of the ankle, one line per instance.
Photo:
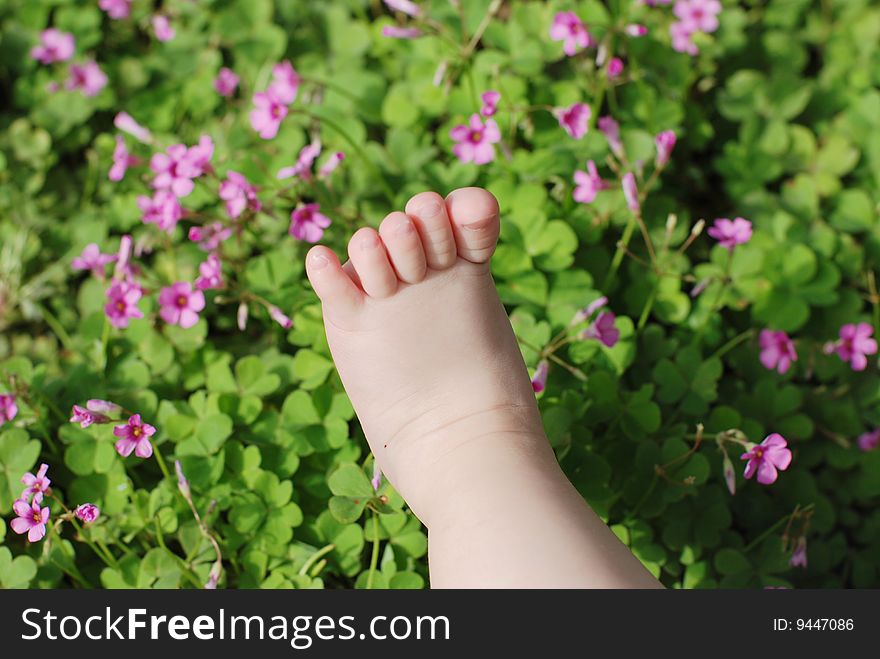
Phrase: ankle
(477, 474)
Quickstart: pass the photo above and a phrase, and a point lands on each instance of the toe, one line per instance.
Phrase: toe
(370, 260)
(475, 224)
(401, 238)
(339, 295)
(429, 214)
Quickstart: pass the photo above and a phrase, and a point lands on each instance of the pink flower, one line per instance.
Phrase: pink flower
(8, 408)
(636, 30)
(765, 458)
(611, 130)
(698, 15)
(122, 299)
(123, 267)
(474, 141)
(122, 160)
(376, 480)
(173, 170)
(304, 161)
(869, 440)
(31, 519)
(665, 143)
(854, 344)
(162, 28)
(162, 209)
(210, 274)
(126, 123)
(584, 314)
(103, 406)
(681, 38)
(134, 436)
(729, 474)
(603, 330)
(569, 29)
(575, 119)
(182, 481)
(394, 32)
(777, 350)
(199, 156)
(631, 192)
(700, 287)
(307, 224)
(405, 6)
(331, 164)
(35, 485)
(799, 555)
(490, 103)
(55, 46)
(539, 379)
(88, 78)
(588, 183)
(85, 417)
(729, 233)
(209, 236)
(238, 194)
(180, 304)
(87, 512)
(285, 82)
(615, 68)
(267, 114)
(241, 316)
(226, 82)
(116, 9)
(92, 259)
(280, 317)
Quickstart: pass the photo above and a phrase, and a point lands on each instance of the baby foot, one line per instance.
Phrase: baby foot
(423, 344)
(427, 355)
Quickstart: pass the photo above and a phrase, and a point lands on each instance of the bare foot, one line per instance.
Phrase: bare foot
(428, 357)
(421, 341)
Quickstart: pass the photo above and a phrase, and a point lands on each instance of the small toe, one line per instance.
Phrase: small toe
(370, 260)
(475, 223)
(428, 211)
(401, 238)
(339, 295)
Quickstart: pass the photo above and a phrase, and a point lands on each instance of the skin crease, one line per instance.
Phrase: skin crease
(430, 362)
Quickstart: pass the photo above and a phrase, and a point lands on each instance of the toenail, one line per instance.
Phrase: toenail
(403, 228)
(430, 209)
(319, 261)
(369, 240)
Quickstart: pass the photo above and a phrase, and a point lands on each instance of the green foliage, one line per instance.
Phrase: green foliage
(778, 121)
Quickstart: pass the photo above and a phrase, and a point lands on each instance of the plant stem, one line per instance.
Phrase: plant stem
(374, 557)
(735, 341)
(389, 193)
(161, 462)
(56, 326)
(314, 558)
(754, 543)
(622, 244)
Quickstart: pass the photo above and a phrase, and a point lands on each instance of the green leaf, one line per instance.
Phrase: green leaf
(16, 573)
(854, 211)
(311, 368)
(349, 480)
(729, 561)
(346, 509)
(18, 455)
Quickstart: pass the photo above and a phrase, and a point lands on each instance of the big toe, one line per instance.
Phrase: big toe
(340, 295)
(473, 213)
